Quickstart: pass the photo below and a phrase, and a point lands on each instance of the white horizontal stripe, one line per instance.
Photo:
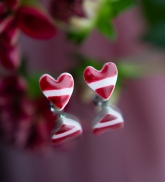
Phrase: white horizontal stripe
(56, 136)
(109, 123)
(60, 92)
(96, 122)
(72, 122)
(103, 83)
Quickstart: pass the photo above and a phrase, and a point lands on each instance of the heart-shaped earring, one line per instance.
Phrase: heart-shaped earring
(58, 92)
(103, 83)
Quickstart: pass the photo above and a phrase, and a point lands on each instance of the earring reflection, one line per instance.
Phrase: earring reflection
(108, 119)
(67, 127)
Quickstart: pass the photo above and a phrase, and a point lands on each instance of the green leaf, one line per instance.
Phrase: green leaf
(156, 35)
(77, 37)
(107, 29)
(108, 11)
(154, 10)
(118, 6)
(30, 2)
(103, 21)
(129, 70)
(33, 85)
(23, 67)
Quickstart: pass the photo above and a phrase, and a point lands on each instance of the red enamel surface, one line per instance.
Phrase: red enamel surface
(64, 128)
(48, 83)
(99, 131)
(107, 118)
(65, 138)
(59, 101)
(105, 92)
(93, 75)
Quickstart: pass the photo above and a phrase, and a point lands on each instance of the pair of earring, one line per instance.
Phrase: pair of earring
(59, 91)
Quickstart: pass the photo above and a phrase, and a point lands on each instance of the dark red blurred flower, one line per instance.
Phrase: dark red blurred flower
(33, 21)
(10, 57)
(44, 122)
(64, 9)
(11, 89)
(24, 122)
(12, 4)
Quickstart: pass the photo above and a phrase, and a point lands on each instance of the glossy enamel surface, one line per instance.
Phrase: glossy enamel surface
(107, 119)
(102, 82)
(59, 91)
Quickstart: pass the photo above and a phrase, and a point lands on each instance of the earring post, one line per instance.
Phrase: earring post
(56, 112)
(98, 101)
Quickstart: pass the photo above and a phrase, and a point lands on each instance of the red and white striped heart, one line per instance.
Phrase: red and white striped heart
(102, 82)
(59, 91)
(107, 119)
(67, 128)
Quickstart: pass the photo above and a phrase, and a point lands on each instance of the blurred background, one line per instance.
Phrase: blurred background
(56, 36)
